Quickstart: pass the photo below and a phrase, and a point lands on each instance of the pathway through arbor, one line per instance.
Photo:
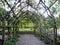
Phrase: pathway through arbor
(29, 39)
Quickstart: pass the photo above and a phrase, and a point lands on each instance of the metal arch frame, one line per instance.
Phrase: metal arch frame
(25, 14)
(47, 8)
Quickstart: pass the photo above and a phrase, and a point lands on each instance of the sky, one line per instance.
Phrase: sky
(29, 8)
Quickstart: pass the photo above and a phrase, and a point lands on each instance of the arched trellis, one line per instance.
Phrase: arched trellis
(35, 8)
(32, 17)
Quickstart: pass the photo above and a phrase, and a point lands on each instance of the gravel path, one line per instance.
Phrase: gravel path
(29, 39)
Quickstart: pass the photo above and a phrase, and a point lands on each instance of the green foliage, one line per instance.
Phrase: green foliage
(2, 11)
(53, 10)
(14, 37)
(58, 21)
(58, 1)
(12, 40)
(9, 42)
(49, 22)
(50, 2)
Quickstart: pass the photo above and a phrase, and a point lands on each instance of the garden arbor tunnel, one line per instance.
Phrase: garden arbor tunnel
(40, 24)
(45, 27)
(32, 17)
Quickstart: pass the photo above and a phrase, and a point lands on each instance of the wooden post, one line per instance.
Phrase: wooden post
(55, 33)
(9, 30)
(34, 30)
(40, 31)
(13, 29)
(3, 32)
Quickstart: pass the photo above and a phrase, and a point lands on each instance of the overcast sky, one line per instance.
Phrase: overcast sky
(37, 1)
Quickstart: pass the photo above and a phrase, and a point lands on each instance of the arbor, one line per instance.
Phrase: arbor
(34, 11)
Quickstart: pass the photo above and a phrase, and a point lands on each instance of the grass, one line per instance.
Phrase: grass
(26, 29)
